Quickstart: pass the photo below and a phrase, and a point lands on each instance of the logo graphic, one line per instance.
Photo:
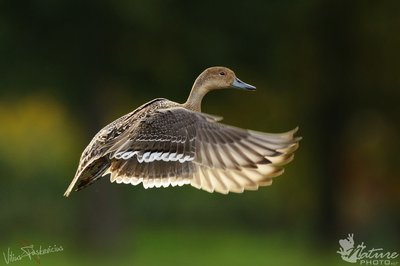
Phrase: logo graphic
(374, 256)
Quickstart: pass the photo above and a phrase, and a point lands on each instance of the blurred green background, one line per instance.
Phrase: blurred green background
(68, 68)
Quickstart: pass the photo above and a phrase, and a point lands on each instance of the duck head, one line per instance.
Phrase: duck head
(215, 78)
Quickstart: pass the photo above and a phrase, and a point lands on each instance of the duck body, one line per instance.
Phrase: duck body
(92, 162)
(163, 143)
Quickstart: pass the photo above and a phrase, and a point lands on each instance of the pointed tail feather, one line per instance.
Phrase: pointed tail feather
(71, 186)
(89, 174)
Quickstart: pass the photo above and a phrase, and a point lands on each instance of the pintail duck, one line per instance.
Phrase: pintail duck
(164, 143)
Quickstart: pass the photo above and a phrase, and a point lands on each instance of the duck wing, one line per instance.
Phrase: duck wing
(175, 146)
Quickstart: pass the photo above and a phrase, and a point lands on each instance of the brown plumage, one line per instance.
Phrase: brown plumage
(165, 143)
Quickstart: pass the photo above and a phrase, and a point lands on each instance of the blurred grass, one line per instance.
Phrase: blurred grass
(185, 246)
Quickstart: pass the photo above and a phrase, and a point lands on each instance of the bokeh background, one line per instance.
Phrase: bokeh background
(68, 68)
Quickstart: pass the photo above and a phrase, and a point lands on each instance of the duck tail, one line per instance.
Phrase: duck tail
(89, 174)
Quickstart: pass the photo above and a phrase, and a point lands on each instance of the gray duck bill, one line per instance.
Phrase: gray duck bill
(238, 84)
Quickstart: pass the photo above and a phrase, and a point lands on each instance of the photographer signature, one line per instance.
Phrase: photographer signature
(30, 252)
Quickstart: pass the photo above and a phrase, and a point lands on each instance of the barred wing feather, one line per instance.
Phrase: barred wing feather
(175, 146)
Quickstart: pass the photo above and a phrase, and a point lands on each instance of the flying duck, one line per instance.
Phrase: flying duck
(165, 143)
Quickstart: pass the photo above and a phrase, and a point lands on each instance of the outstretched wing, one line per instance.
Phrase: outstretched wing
(175, 146)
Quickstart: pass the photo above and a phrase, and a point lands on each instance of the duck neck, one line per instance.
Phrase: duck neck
(196, 95)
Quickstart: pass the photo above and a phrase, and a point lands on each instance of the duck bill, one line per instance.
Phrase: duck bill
(238, 84)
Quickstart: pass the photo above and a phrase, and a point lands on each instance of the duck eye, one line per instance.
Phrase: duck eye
(222, 73)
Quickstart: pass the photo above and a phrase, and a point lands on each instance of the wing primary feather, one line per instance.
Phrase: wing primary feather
(207, 184)
(218, 182)
(215, 145)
